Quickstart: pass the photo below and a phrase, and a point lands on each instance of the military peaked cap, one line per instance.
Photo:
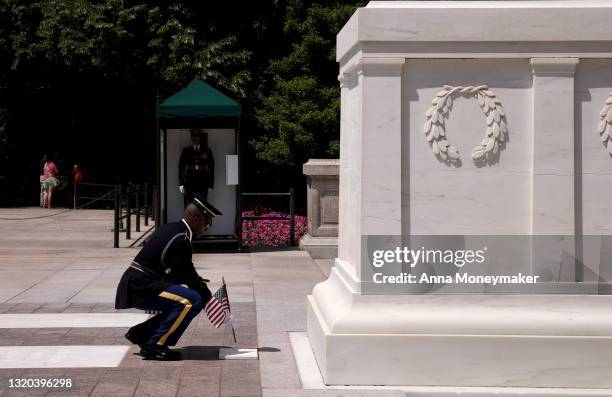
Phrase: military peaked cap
(207, 208)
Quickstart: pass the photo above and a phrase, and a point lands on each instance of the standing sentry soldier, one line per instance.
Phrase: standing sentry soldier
(162, 278)
(196, 168)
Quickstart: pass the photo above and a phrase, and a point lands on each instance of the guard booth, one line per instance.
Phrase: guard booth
(205, 109)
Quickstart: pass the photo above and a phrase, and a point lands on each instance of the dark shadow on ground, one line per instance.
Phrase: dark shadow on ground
(200, 353)
(211, 353)
(269, 349)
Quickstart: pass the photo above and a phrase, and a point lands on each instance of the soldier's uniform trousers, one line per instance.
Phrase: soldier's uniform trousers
(178, 306)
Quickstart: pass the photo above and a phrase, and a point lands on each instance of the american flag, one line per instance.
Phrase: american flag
(217, 307)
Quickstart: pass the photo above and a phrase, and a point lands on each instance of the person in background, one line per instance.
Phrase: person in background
(196, 168)
(77, 175)
(49, 180)
(42, 162)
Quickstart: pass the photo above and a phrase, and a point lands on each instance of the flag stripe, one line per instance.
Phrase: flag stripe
(217, 316)
(218, 321)
(210, 303)
(217, 313)
(214, 313)
(215, 305)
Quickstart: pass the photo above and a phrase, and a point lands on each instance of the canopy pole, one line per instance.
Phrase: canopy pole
(164, 134)
(158, 160)
(239, 187)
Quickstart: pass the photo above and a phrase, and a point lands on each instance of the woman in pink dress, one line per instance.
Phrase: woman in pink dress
(49, 180)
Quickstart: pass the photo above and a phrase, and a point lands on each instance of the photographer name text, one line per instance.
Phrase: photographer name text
(458, 278)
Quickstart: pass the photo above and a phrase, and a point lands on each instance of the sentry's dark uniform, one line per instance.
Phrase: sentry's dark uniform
(196, 171)
(152, 282)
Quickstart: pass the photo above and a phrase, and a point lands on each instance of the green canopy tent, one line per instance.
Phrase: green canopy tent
(198, 100)
(202, 107)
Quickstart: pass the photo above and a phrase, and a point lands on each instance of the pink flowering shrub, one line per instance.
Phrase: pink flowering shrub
(275, 233)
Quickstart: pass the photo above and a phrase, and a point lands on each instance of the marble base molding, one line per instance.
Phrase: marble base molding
(459, 340)
(311, 379)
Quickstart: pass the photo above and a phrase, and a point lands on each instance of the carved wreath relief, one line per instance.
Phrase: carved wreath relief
(605, 125)
(491, 107)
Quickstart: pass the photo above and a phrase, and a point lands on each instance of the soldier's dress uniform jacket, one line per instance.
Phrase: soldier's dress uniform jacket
(165, 260)
(197, 170)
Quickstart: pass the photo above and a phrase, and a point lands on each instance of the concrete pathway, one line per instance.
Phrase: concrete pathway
(57, 286)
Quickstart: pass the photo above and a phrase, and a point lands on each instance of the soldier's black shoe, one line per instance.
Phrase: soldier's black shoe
(158, 352)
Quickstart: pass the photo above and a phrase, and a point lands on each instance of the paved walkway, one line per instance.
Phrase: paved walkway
(64, 264)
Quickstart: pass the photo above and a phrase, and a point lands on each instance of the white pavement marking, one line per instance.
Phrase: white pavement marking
(311, 378)
(70, 320)
(61, 356)
(231, 353)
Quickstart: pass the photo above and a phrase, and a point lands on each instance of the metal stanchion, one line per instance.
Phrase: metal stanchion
(155, 213)
(154, 205)
(292, 215)
(75, 195)
(137, 208)
(146, 204)
(116, 221)
(128, 214)
(121, 208)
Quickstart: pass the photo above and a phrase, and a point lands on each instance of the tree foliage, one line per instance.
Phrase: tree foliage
(127, 42)
(300, 113)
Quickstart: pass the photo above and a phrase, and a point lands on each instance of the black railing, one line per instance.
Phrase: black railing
(127, 201)
(95, 191)
(291, 218)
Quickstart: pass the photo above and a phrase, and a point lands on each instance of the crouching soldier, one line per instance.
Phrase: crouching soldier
(162, 278)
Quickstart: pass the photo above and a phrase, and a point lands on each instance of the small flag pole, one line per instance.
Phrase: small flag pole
(229, 308)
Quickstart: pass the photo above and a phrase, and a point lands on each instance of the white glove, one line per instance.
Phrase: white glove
(182, 189)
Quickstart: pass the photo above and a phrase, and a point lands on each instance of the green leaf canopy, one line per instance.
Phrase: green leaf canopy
(198, 100)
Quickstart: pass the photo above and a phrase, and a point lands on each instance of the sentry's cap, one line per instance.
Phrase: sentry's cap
(207, 208)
